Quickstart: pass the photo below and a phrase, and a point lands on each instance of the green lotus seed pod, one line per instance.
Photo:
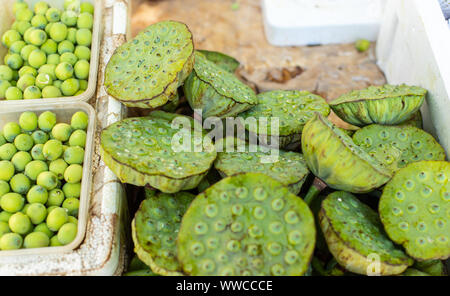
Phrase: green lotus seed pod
(11, 241)
(7, 151)
(20, 223)
(9, 37)
(353, 232)
(222, 60)
(147, 71)
(58, 32)
(87, 7)
(62, 131)
(53, 59)
(346, 166)
(12, 202)
(72, 190)
(36, 240)
(37, 213)
(412, 144)
(84, 37)
(78, 138)
(414, 209)
(28, 121)
(27, 70)
(51, 92)
(34, 168)
(69, 18)
(48, 180)
(41, 8)
(150, 157)
(37, 58)
(216, 91)
(154, 230)
(73, 173)
(67, 233)
(20, 160)
(14, 61)
(20, 183)
(4, 85)
(6, 170)
(247, 224)
(6, 73)
(55, 198)
(72, 205)
(32, 92)
(23, 142)
(82, 52)
(44, 229)
(13, 93)
(49, 47)
(37, 194)
(17, 46)
(47, 121)
(53, 15)
(70, 87)
(69, 58)
(387, 104)
(50, 70)
(56, 218)
(289, 168)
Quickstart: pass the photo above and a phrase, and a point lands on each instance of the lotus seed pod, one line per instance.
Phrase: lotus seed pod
(147, 71)
(292, 108)
(216, 91)
(332, 156)
(155, 228)
(354, 233)
(387, 104)
(415, 207)
(248, 224)
(222, 60)
(288, 168)
(396, 146)
(140, 152)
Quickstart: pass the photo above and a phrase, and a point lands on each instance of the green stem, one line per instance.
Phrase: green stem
(316, 187)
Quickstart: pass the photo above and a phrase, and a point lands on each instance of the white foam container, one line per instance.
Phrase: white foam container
(64, 112)
(311, 22)
(7, 18)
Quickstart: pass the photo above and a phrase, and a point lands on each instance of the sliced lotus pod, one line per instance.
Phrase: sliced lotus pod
(432, 267)
(248, 224)
(416, 120)
(289, 168)
(415, 209)
(293, 108)
(387, 104)
(140, 152)
(220, 59)
(216, 91)
(397, 146)
(333, 157)
(414, 272)
(354, 233)
(154, 230)
(146, 71)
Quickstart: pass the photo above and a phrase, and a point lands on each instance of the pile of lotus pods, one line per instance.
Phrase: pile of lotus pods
(374, 200)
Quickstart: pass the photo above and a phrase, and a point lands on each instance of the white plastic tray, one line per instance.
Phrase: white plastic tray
(7, 18)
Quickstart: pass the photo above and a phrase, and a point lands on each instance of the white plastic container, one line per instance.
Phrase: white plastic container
(64, 112)
(7, 18)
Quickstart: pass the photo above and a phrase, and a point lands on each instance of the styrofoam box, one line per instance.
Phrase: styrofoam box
(308, 22)
(7, 18)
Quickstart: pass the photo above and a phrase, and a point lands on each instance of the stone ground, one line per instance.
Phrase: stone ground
(329, 70)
